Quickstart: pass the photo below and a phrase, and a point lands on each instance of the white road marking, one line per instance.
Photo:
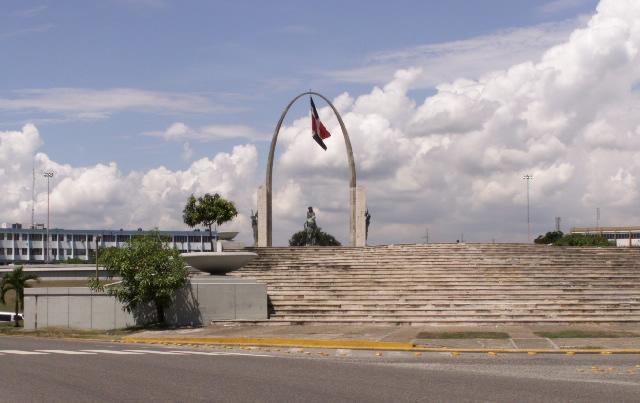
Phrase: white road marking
(223, 353)
(113, 352)
(156, 352)
(21, 352)
(67, 352)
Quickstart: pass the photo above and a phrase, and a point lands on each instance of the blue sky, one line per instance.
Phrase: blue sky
(138, 103)
(247, 58)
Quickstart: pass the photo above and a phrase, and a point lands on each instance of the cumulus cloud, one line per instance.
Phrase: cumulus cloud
(455, 161)
(103, 196)
(452, 162)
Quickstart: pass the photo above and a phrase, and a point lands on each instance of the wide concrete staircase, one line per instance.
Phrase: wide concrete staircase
(449, 284)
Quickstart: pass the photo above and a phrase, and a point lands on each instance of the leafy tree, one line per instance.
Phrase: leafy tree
(151, 271)
(323, 239)
(582, 240)
(208, 210)
(16, 280)
(549, 237)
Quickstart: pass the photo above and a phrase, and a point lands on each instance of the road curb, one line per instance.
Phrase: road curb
(359, 345)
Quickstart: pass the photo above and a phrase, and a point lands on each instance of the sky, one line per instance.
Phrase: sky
(136, 104)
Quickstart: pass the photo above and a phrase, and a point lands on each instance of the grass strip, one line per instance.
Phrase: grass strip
(462, 335)
(9, 329)
(584, 334)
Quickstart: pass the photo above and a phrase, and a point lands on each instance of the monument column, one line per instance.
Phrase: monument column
(263, 231)
(265, 211)
(359, 237)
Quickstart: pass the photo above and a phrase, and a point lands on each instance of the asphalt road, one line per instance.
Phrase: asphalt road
(59, 370)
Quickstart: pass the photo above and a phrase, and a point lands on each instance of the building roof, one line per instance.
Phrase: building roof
(226, 236)
(606, 229)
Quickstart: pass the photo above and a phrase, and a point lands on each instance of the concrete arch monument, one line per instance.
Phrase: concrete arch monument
(356, 193)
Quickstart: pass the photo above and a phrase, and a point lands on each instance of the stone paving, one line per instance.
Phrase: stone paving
(520, 336)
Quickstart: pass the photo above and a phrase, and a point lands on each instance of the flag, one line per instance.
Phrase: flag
(319, 131)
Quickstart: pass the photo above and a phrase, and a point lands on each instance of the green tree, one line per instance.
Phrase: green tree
(16, 280)
(208, 210)
(323, 239)
(549, 237)
(151, 272)
(582, 240)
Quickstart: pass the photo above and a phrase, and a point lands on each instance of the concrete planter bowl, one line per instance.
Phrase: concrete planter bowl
(218, 263)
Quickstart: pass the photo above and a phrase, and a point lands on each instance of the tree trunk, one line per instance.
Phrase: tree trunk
(160, 312)
(211, 239)
(17, 306)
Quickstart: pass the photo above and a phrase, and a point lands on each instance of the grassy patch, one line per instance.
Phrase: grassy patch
(8, 329)
(584, 334)
(462, 335)
(59, 283)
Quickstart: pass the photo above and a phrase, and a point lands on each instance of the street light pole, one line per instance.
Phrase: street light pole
(528, 178)
(47, 174)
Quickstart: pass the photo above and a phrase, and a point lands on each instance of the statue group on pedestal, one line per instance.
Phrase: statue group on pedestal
(311, 228)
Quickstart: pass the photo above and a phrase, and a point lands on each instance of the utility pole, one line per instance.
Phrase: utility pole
(598, 218)
(528, 178)
(558, 224)
(97, 276)
(48, 174)
(33, 194)
(426, 235)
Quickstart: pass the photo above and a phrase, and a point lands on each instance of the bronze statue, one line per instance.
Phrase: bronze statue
(254, 226)
(310, 227)
(367, 218)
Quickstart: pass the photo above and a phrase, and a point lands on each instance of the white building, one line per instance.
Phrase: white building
(19, 245)
(621, 236)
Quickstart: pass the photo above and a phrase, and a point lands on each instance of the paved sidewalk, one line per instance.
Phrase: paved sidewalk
(520, 337)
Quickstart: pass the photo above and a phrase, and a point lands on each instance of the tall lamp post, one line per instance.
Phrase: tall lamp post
(528, 178)
(48, 174)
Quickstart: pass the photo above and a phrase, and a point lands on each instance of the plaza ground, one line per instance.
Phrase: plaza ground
(36, 369)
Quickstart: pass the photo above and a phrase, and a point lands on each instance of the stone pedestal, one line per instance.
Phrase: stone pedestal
(359, 236)
(263, 229)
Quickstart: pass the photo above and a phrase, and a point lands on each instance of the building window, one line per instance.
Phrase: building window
(1, 237)
(69, 252)
(36, 251)
(123, 238)
(36, 237)
(90, 238)
(108, 238)
(54, 237)
(195, 238)
(81, 252)
(24, 237)
(54, 252)
(180, 238)
(61, 252)
(61, 237)
(1, 251)
(78, 238)
(9, 251)
(9, 237)
(24, 252)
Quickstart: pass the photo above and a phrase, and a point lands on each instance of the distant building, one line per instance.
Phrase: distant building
(621, 236)
(18, 245)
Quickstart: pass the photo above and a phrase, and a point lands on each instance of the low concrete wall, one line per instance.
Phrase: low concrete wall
(205, 299)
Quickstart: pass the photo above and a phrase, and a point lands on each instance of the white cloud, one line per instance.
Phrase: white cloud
(557, 6)
(180, 131)
(83, 103)
(461, 58)
(453, 161)
(103, 196)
